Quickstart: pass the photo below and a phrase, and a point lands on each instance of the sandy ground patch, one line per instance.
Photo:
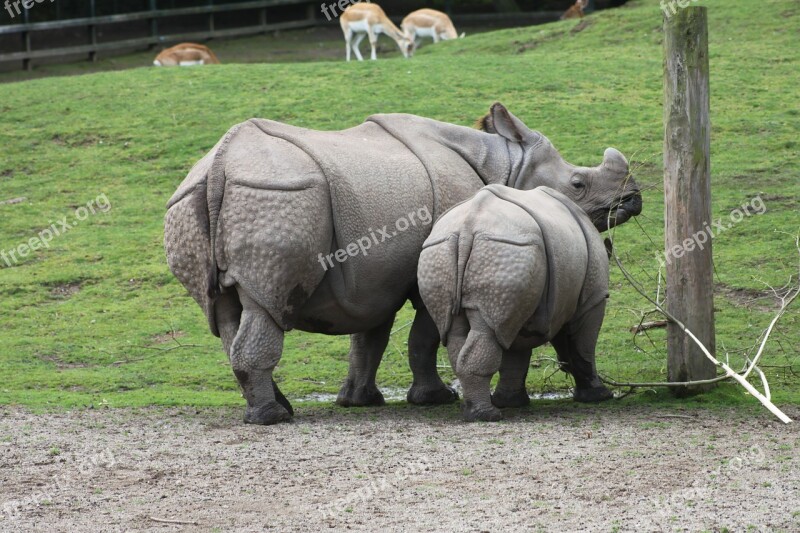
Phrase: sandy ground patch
(551, 467)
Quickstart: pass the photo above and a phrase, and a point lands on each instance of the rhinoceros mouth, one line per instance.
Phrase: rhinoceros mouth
(629, 206)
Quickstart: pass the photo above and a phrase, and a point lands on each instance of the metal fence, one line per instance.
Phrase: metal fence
(152, 16)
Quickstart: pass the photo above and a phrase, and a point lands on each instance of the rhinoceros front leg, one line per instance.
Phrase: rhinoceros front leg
(575, 345)
(475, 357)
(366, 352)
(254, 353)
(510, 390)
(423, 343)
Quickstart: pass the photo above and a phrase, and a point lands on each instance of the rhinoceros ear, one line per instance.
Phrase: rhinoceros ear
(614, 160)
(507, 125)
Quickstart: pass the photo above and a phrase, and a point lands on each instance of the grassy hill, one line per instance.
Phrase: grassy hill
(97, 318)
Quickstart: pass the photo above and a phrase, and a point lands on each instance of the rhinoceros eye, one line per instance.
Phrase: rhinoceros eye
(578, 183)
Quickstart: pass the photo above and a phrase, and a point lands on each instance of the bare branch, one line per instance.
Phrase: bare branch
(729, 373)
(644, 326)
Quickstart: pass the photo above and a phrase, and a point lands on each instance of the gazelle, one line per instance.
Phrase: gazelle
(576, 11)
(369, 19)
(186, 54)
(429, 23)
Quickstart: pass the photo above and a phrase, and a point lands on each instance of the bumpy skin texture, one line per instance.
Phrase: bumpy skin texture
(248, 230)
(505, 272)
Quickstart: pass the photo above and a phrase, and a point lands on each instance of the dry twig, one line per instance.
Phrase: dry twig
(179, 522)
(644, 326)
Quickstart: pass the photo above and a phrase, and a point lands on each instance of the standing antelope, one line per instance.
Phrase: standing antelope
(369, 19)
(186, 54)
(576, 11)
(429, 23)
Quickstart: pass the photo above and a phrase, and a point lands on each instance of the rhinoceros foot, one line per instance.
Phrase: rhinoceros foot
(593, 395)
(266, 415)
(421, 395)
(484, 414)
(351, 395)
(503, 399)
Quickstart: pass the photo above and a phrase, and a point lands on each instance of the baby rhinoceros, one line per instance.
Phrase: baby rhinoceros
(510, 270)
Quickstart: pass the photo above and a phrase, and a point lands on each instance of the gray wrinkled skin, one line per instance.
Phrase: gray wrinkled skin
(245, 230)
(509, 270)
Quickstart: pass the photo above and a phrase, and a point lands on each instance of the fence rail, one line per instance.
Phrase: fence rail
(153, 15)
(92, 47)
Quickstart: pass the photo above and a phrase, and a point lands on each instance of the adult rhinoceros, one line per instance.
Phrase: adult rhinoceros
(264, 233)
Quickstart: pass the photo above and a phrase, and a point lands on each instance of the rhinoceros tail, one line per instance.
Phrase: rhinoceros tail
(464, 247)
(214, 197)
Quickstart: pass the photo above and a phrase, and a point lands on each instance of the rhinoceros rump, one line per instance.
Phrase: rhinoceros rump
(245, 230)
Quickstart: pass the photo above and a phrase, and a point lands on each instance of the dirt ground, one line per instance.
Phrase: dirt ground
(551, 467)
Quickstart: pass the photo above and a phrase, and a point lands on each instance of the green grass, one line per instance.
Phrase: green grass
(91, 320)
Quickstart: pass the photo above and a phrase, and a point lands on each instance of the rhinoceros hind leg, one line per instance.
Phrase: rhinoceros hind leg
(423, 343)
(510, 390)
(366, 352)
(476, 361)
(255, 352)
(575, 345)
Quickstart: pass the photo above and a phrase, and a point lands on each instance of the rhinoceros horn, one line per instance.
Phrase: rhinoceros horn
(614, 160)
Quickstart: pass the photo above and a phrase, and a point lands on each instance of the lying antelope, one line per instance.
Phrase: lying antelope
(576, 11)
(429, 23)
(369, 19)
(186, 54)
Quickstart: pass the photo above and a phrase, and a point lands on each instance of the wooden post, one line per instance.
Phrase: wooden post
(26, 42)
(92, 31)
(687, 196)
(26, 45)
(153, 25)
